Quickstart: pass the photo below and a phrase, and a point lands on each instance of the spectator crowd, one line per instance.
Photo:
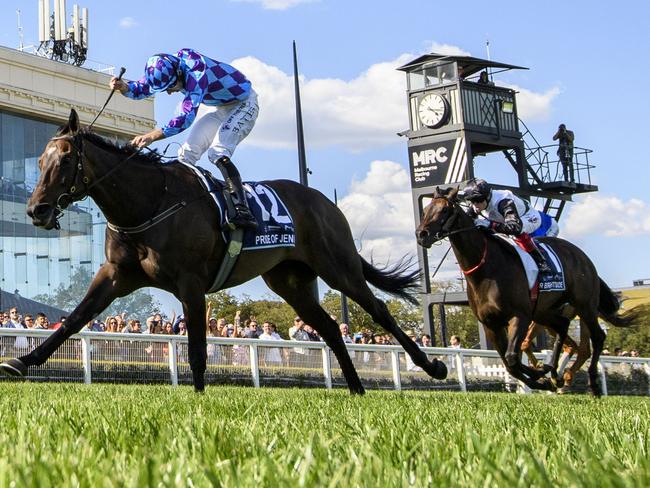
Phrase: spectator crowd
(248, 328)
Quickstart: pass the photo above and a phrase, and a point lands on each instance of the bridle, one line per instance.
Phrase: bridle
(445, 231)
(80, 178)
(447, 224)
(72, 194)
(67, 197)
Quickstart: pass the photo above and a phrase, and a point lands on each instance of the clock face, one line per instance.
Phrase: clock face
(433, 110)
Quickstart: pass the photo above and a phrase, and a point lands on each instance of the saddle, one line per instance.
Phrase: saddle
(275, 224)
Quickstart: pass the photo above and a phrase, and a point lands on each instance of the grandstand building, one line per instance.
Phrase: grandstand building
(36, 95)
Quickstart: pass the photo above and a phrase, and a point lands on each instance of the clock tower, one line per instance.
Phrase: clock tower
(455, 113)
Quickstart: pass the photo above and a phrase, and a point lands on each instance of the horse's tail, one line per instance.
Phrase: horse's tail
(398, 280)
(609, 306)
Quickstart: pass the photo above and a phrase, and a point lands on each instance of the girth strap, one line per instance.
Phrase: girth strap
(149, 223)
(229, 259)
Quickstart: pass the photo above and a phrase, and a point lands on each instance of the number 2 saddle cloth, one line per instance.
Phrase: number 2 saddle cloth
(275, 224)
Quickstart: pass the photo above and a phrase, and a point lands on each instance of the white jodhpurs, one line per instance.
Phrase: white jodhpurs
(219, 130)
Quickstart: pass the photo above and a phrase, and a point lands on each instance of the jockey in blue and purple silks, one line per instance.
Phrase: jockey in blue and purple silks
(232, 110)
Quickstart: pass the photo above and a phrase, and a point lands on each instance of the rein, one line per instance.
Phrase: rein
(443, 234)
(60, 203)
(481, 263)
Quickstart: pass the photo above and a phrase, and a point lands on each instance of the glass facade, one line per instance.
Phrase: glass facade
(34, 261)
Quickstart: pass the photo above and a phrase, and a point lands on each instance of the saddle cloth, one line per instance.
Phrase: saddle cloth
(553, 281)
(275, 224)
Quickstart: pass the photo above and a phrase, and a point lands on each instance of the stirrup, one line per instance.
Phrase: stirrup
(243, 219)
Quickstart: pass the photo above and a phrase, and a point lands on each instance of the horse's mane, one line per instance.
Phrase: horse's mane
(128, 150)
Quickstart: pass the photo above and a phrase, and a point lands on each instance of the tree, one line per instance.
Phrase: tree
(407, 315)
(635, 337)
(462, 323)
(138, 304)
(224, 304)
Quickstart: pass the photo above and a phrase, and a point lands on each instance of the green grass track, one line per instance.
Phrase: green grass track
(137, 436)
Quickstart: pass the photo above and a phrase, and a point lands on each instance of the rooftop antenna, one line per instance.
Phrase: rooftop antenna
(20, 32)
(56, 40)
(487, 48)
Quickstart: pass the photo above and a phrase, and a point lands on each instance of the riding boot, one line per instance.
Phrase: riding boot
(540, 260)
(528, 244)
(243, 217)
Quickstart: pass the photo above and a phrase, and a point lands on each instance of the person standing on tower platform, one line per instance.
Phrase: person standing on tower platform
(565, 151)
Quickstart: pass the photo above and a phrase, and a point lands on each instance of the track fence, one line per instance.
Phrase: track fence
(93, 357)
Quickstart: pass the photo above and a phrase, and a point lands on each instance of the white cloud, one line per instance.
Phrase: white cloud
(358, 114)
(128, 23)
(448, 49)
(277, 4)
(609, 216)
(379, 209)
(364, 112)
(532, 106)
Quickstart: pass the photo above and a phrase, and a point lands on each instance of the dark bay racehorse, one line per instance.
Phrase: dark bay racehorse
(498, 293)
(182, 253)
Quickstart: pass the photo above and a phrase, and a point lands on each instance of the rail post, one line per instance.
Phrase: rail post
(255, 365)
(327, 366)
(602, 372)
(460, 368)
(85, 359)
(394, 359)
(173, 361)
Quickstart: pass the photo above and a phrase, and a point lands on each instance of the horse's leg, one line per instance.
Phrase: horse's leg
(561, 327)
(193, 300)
(353, 284)
(584, 351)
(380, 315)
(290, 280)
(597, 341)
(517, 327)
(500, 340)
(527, 344)
(106, 286)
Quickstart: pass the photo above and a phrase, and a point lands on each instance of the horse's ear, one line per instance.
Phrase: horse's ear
(452, 195)
(437, 193)
(73, 122)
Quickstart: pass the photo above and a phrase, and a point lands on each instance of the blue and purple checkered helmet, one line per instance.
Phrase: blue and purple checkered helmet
(161, 72)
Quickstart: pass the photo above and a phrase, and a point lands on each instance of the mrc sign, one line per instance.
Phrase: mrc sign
(438, 163)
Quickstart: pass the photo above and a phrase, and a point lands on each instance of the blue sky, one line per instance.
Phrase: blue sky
(588, 69)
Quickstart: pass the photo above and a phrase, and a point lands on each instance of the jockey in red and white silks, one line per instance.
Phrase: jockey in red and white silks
(506, 213)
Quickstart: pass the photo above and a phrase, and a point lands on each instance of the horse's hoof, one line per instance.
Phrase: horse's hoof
(436, 369)
(596, 392)
(547, 384)
(358, 391)
(14, 367)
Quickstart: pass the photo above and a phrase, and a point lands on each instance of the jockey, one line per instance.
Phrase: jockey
(231, 113)
(508, 214)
